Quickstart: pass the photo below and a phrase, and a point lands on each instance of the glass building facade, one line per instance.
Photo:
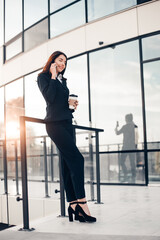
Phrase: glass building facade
(37, 21)
(111, 82)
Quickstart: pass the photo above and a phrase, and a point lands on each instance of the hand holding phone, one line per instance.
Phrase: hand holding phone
(53, 70)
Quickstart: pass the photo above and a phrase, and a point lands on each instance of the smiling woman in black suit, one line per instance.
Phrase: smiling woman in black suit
(53, 87)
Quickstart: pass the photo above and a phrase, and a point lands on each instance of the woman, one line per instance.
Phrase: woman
(53, 87)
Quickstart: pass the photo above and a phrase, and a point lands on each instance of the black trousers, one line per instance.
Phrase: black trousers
(72, 161)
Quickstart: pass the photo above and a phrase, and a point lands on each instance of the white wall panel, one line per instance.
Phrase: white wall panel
(4, 209)
(51, 207)
(15, 211)
(38, 208)
(149, 17)
(71, 43)
(112, 29)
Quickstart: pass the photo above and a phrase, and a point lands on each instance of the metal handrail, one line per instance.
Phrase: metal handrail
(23, 120)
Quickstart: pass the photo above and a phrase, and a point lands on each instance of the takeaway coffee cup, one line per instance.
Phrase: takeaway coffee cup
(72, 99)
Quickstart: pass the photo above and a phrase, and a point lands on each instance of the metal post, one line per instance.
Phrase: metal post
(52, 166)
(98, 168)
(62, 194)
(45, 167)
(16, 164)
(5, 176)
(24, 173)
(5, 167)
(91, 166)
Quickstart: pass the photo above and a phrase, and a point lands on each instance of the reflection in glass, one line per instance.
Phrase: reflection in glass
(56, 4)
(36, 35)
(2, 136)
(34, 102)
(14, 48)
(115, 92)
(100, 8)
(13, 18)
(36, 147)
(151, 47)
(1, 113)
(1, 22)
(77, 83)
(111, 170)
(14, 108)
(1, 168)
(152, 99)
(34, 11)
(68, 18)
(154, 166)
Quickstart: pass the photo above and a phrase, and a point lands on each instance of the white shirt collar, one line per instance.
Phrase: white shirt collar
(60, 77)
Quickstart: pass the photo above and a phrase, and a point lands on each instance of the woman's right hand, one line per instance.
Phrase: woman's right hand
(53, 70)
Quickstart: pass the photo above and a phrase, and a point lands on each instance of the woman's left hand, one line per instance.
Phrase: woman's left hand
(75, 104)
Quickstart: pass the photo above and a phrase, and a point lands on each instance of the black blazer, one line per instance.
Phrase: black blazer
(56, 97)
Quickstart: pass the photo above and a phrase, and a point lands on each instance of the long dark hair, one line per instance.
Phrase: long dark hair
(51, 60)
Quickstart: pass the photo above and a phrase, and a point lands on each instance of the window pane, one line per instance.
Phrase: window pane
(1, 113)
(13, 18)
(151, 47)
(77, 83)
(1, 22)
(36, 35)
(14, 107)
(2, 136)
(14, 48)
(152, 98)
(68, 18)
(35, 105)
(56, 4)
(34, 11)
(115, 93)
(142, 1)
(116, 105)
(100, 8)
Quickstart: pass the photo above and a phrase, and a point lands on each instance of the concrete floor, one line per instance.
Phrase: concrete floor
(127, 212)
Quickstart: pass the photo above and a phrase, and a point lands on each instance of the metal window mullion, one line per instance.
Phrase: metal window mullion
(89, 88)
(22, 25)
(143, 112)
(49, 35)
(4, 6)
(86, 11)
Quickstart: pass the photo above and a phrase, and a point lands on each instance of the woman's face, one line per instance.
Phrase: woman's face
(60, 62)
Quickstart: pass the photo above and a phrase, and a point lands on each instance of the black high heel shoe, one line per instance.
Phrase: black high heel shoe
(71, 212)
(86, 217)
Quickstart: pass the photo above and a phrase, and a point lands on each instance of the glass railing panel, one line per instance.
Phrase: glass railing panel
(154, 166)
(35, 147)
(85, 142)
(153, 145)
(122, 168)
(13, 166)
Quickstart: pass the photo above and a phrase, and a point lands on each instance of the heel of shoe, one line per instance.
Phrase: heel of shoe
(76, 217)
(70, 214)
(79, 217)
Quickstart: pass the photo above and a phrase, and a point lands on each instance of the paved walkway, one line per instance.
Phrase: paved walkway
(127, 213)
